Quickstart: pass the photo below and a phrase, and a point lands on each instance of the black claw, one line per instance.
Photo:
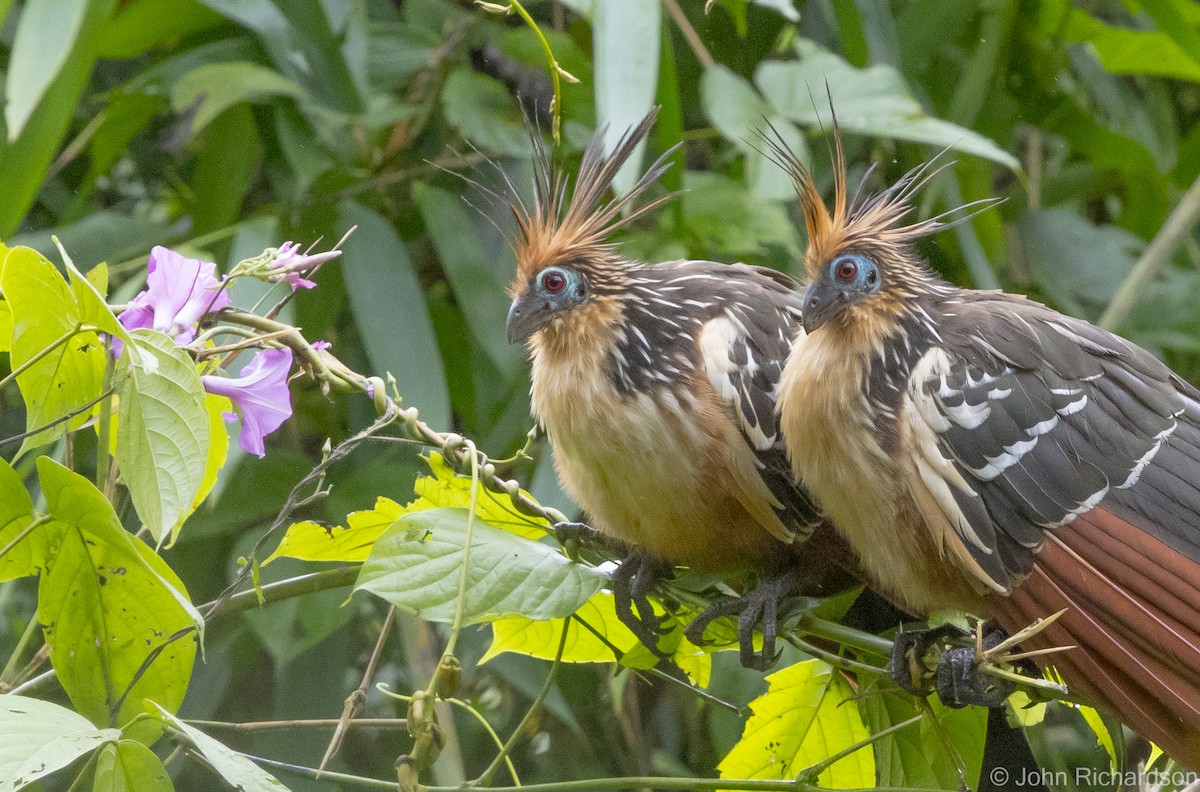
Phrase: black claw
(909, 648)
(632, 583)
(758, 609)
(957, 678)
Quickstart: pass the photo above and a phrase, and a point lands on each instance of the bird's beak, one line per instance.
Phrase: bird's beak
(822, 302)
(525, 317)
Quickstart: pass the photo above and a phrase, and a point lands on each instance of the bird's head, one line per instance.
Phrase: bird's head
(568, 274)
(860, 263)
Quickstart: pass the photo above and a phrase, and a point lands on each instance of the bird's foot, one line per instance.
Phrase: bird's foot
(632, 583)
(958, 677)
(760, 609)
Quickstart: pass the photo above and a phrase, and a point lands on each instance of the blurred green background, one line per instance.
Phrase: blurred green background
(225, 126)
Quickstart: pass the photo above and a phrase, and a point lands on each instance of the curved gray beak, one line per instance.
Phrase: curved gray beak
(525, 317)
(822, 302)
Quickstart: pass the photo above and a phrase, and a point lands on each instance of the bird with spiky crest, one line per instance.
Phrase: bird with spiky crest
(984, 453)
(655, 384)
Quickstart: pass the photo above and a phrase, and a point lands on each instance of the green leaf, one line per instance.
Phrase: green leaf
(415, 564)
(129, 766)
(473, 256)
(44, 310)
(106, 603)
(806, 716)
(391, 312)
(141, 25)
(24, 161)
(446, 489)
(592, 643)
(16, 513)
(93, 308)
(311, 541)
(46, 33)
(626, 46)
(164, 435)
(726, 218)
(740, 114)
(242, 774)
(1123, 50)
(1078, 264)
(40, 737)
(485, 114)
(209, 90)
(915, 756)
(1103, 738)
(873, 101)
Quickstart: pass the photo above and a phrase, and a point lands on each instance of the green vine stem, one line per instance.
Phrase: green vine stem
(557, 72)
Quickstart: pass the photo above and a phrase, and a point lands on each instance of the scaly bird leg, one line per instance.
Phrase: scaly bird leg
(909, 648)
(758, 609)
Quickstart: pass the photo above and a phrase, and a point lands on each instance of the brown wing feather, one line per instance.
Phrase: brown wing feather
(1131, 613)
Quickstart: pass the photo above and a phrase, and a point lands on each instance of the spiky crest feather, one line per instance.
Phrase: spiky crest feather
(870, 223)
(558, 229)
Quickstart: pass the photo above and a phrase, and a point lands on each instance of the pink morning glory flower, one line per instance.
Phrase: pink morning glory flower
(260, 395)
(179, 291)
(289, 264)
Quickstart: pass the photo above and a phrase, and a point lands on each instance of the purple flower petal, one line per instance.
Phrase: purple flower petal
(260, 395)
(178, 292)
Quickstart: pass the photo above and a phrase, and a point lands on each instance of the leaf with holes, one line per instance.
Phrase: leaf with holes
(415, 566)
(40, 737)
(806, 716)
(110, 606)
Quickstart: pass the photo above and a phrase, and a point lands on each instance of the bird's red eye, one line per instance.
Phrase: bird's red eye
(846, 269)
(553, 282)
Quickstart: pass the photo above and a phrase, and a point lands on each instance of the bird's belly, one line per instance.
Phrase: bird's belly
(652, 479)
(860, 488)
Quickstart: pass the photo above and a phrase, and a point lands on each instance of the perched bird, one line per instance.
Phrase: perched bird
(984, 453)
(655, 384)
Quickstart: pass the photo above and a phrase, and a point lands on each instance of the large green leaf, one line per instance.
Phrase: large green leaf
(806, 716)
(626, 46)
(129, 766)
(474, 257)
(40, 737)
(873, 101)
(211, 89)
(44, 310)
(46, 33)
(740, 115)
(107, 603)
(242, 774)
(485, 114)
(24, 160)
(16, 513)
(1124, 50)
(164, 436)
(914, 756)
(391, 313)
(415, 564)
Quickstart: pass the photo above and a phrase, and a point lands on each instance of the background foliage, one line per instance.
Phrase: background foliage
(222, 127)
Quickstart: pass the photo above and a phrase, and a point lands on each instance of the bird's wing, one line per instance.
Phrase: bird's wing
(1063, 465)
(1021, 419)
(743, 348)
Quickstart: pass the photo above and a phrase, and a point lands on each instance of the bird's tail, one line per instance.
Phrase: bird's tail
(1132, 612)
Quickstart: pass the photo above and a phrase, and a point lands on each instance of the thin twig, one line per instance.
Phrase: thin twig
(689, 34)
(319, 723)
(1157, 254)
(359, 696)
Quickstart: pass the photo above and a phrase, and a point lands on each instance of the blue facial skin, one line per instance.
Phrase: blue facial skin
(554, 289)
(849, 278)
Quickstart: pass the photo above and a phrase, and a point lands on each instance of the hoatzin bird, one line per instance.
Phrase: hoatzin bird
(984, 453)
(655, 384)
